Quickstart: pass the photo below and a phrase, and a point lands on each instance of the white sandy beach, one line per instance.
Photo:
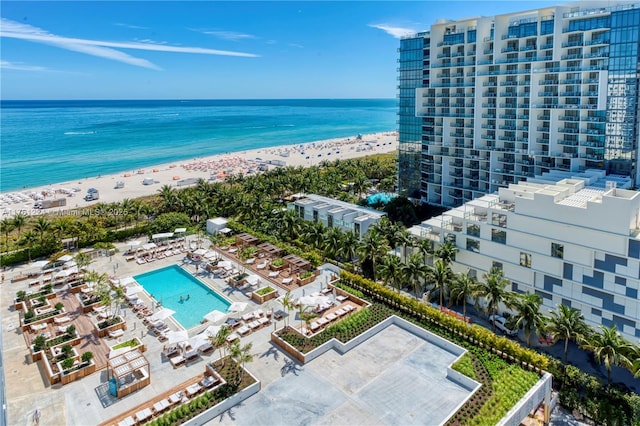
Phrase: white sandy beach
(207, 168)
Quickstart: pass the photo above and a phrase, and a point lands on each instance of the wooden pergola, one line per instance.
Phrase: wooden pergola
(246, 239)
(129, 371)
(296, 263)
(270, 249)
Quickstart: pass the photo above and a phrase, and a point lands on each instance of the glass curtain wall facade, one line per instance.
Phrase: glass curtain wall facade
(508, 97)
(413, 60)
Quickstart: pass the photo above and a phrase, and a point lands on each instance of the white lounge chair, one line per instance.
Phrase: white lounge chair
(116, 333)
(244, 330)
(287, 280)
(62, 320)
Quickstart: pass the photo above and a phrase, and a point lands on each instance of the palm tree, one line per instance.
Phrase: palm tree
(19, 221)
(287, 304)
(331, 244)
(29, 239)
(349, 246)
(529, 315)
(462, 287)
(220, 341)
(447, 252)
(42, 226)
(390, 271)
(372, 248)
(440, 275)
(306, 315)
(7, 226)
(241, 355)
(168, 196)
(415, 271)
(568, 324)
(82, 260)
(493, 288)
(610, 348)
(425, 247)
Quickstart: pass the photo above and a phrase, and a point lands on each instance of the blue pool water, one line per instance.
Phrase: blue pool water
(380, 197)
(166, 285)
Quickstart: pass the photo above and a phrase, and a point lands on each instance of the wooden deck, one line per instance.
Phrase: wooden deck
(83, 323)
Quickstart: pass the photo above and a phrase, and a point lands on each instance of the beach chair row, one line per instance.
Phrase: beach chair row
(329, 318)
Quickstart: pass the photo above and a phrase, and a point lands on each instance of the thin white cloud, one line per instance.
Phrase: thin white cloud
(299, 46)
(100, 48)
(6, 65)
(133, 27)
(397, 32)
(227, 35)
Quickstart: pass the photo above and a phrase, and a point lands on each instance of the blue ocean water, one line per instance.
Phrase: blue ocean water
(44, 142)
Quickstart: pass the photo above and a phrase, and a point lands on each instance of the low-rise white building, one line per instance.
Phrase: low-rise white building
(575, 241)
(335, 213)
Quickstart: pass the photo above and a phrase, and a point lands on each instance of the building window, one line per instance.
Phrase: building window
(473, 230)
(315, 215)
(557, 250)
(497, 266)
(473, 245)
(499, 236)
(525, 259)
(356, 229)
(330, 221)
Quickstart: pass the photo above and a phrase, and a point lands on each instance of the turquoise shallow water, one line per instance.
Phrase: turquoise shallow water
(167, 285)
(45, 142)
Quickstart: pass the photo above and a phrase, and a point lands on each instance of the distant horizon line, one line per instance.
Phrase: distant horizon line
(196, 99)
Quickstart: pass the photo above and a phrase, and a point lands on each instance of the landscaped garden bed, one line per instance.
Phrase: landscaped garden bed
(306, 277)
(264, 294)
(236, 380)
(112, 324)
(134, 343)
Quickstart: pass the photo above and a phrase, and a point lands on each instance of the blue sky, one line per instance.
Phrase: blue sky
(213, 50)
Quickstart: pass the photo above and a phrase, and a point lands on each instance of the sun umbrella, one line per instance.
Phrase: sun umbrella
(237, 307)
(214, 316)
(314, 300)
(212, 330)
(162, 314)
(126, 281)
(224, 264)
(39, 264)
(198, 340)
(132, 289)
(177, 336)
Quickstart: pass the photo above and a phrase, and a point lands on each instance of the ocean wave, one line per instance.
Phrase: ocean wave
(285, 125)
(81, 133)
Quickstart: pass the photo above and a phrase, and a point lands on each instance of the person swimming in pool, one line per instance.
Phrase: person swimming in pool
(188, 297)
(181, 299)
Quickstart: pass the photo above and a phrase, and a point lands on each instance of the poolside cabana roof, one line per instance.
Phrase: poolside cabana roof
(270, 249)
(296, 262)
(246, 239)
(130, 371)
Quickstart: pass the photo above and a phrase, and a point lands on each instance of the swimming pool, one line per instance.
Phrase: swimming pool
(168, 285)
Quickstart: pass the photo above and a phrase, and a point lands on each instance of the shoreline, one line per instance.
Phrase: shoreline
(181, 174)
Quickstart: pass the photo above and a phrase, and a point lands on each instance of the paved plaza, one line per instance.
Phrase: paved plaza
(393, 378)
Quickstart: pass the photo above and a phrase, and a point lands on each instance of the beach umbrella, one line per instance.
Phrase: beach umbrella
(39, 264)
(162, 314)
(237, 307)
(177, 336)
(65, 258)
(224, 264)
(198, 340)
(149, 246)
(212, 330)
(314, 300)
(126, 281)
(214, 316)
(133, 244)
(133, 289)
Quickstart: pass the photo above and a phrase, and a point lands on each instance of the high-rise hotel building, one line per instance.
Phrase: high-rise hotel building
(489, 101)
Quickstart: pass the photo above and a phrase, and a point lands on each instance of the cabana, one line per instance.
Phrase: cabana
(127, 373)
(246, 239)
(296, 263)
(270, 249)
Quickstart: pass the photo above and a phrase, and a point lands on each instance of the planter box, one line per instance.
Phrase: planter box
(122, 325)
(89, 308)
(261, 298)
(307, 280)
(140, 346)
(66, 378)
(276, 268)
(37, 356)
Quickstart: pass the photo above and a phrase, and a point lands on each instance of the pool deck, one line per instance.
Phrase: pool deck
(382, 381)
